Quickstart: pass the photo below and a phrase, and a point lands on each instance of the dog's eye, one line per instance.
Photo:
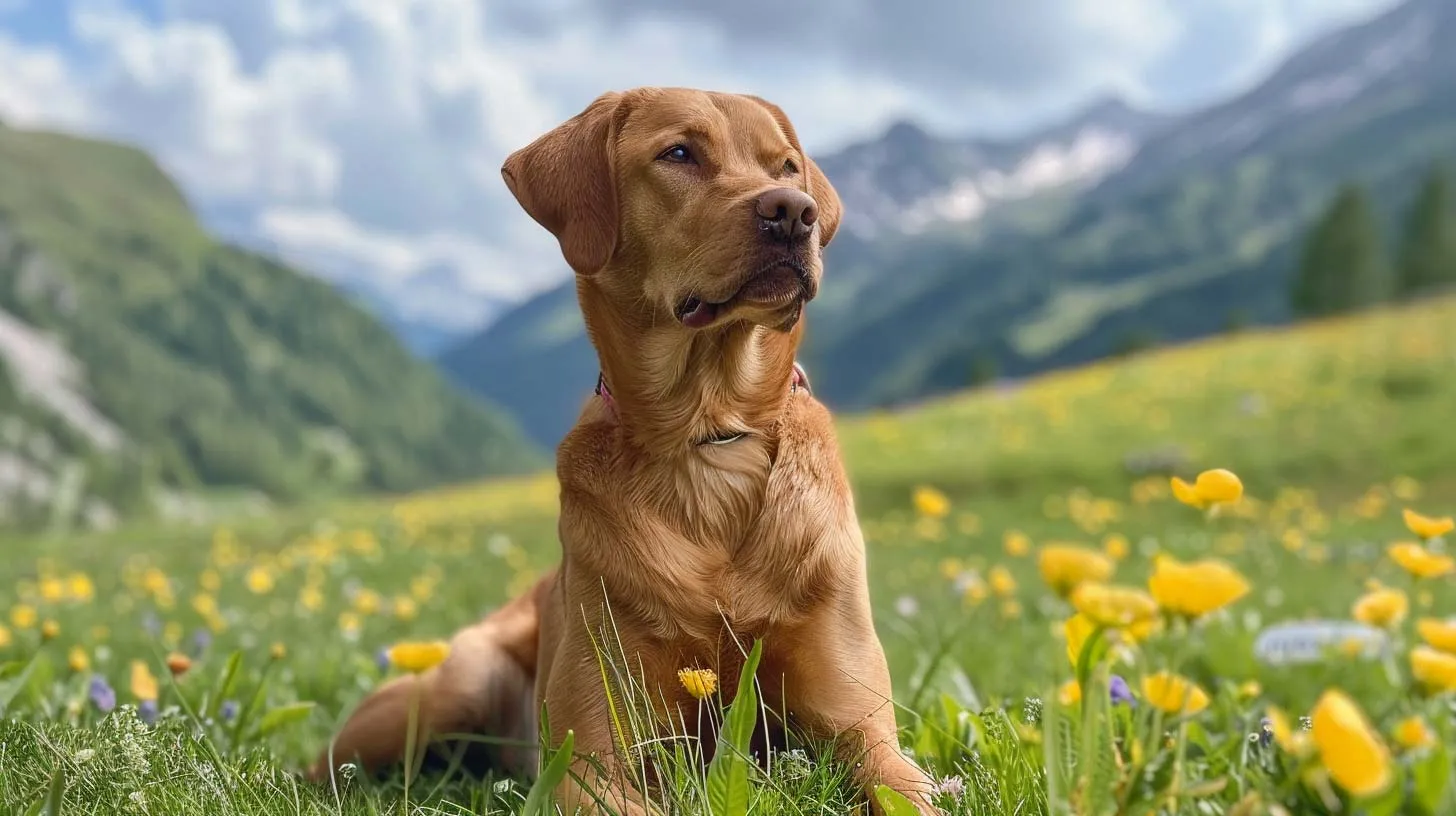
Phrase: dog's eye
(790, 167)
(676, 153)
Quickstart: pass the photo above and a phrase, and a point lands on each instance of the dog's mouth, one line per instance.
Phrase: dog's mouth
(779, 284)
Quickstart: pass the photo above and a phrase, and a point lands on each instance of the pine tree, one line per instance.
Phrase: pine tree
(1342, 267)
(1428, 247)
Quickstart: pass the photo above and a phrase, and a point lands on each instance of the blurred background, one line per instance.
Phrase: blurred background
(257, 254)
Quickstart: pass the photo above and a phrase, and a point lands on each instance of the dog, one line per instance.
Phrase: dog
(703, 500)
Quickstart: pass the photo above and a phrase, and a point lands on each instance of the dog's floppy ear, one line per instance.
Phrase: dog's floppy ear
(825, 196)
(565, 181)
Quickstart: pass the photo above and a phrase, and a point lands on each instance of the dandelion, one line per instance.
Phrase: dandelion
(1064, 566)
(1412, 733)
(1114, 606)
(1016, 543)
(50, 630)
(143, 683)
(80, 588)
(1116, 546)
(1195, 589)
(1384, 608)
(1249, 689)
(1433, 669)
(1349, 748)
(1174, 694)
(277, 651)
(930, 502)
(77, 660)
(700, 683)
(1211, 488)
(418, 657)
(1419, 561)
(5, 637)
(1426, 527)
(405, 608)
(1440, 634)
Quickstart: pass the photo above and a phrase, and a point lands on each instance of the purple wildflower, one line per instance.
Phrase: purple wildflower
(148, 711)
(201, 639)
(228, 710)
(381, 659)
(102, 695)
(1119, 691)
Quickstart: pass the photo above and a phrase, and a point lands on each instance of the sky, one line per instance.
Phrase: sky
(362, 139)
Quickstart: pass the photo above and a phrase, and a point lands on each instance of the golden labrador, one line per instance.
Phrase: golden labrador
(703, 500)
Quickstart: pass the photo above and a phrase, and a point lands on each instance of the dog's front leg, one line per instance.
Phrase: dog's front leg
(837, 687)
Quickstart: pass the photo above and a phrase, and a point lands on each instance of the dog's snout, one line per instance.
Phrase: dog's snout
(786, 214)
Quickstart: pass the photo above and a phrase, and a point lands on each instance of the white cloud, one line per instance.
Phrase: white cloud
(37, 89)
(364, 137)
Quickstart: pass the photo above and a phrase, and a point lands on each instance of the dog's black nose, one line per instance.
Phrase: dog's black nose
(786, 214)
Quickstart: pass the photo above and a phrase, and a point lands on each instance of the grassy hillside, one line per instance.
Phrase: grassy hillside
(1335, 428)
(194, 364)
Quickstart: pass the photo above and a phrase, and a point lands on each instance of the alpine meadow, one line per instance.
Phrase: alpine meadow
(1148, 418)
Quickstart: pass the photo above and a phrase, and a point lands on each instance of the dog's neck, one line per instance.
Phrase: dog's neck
(672, 388)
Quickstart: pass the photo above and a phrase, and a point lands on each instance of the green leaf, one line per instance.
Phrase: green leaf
(57, 791)
(1432, 777)
(894, 803)
(1387, 803)
(9, 693)
(224, 687)
(728, 772)
(284, 715)
(539, 800)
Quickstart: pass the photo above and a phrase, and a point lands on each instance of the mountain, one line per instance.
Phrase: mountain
(142, 360)
(1167, 229)
(908, 181)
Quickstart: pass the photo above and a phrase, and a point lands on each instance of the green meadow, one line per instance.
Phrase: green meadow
(195, 671)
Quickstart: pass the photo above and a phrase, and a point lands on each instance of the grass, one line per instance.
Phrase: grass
(1334, 429)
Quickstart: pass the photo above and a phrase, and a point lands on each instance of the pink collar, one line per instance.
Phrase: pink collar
(799, 379)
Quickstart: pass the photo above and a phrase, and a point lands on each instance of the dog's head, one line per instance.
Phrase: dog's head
(700, 207)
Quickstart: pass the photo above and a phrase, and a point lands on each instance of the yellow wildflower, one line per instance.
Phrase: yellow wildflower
(5, 637)
(930, 502)
(1419, 561)
(1439, 633)
(78, 660)
(1064, 566)
(1078, 628)
(1017, 543)
(1001, 582)
(277, 651)
(1249, 689)
(1436, 670)
(1412, 733)
(1195, 589)
(50, 630)
(143, 683)
(1010, 609)
(260, 581)
(1212, 487)
(1350, 749)
(1116, 546)
(1069, 694)
(1294, 742)
(80, 587)
(405, 608)
(23, 616)
(418, 657)
(1174, 694)
(1384, 608)
(1114, 606)
(1427, 526)
(366, 602)
(699, 682)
